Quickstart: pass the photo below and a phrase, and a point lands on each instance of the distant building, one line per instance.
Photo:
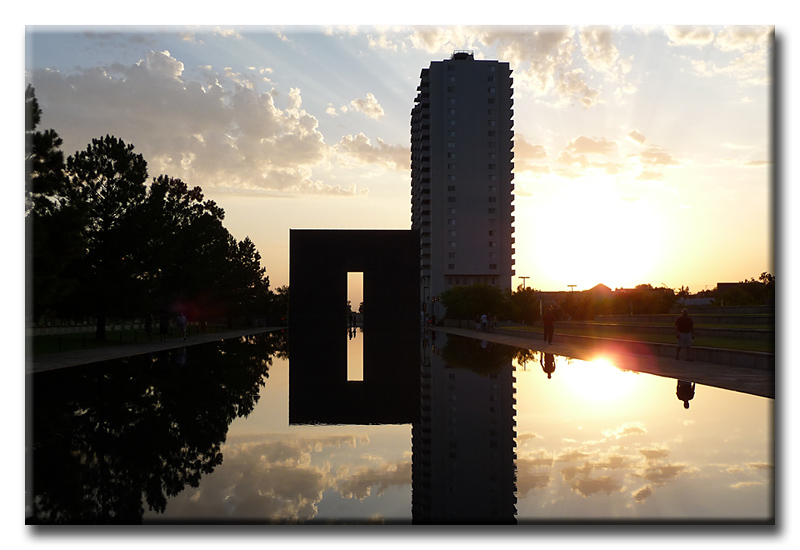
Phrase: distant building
(462, 175)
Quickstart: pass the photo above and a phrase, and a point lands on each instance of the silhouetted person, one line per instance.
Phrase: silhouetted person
(180, 322)
(477, 322)
(484, 322)
(548, 362)
(148, 327)
(684, 330)
(163, 326)
(685, 392)
(549, 322)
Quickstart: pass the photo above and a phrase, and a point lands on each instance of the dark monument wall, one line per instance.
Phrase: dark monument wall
(319, 262)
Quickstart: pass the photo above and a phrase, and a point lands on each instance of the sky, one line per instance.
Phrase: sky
(643, 154)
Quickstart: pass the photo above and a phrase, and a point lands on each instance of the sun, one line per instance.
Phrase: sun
(592, 236)
(598, 381)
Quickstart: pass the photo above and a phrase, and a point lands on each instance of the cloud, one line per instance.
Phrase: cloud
(598, 49)
(653, 155)
(665, 473)
(691, 36)
(583, 144)
(369, 106)
(641, 494)
(740, 39)
(360, 150)
(651, 454)
(588, 486)
(629, 428)
(637, 137)
(283, 479)
(359, 485)
(217, 132)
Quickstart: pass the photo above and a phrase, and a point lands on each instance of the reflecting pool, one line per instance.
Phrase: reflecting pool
(503, 435)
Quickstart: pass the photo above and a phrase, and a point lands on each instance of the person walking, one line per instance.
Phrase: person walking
(549, 322)
(180, 322)
(684, 330)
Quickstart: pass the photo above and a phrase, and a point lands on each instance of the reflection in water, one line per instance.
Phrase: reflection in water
(685, 392)
(107, 435)
(548, 361)
(203, 433)
(463, 446)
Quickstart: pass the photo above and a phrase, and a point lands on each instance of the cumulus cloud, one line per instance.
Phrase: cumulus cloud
(369, 106)
(360, 150)
(629, 428)
(689, 35)
(218, 133)
(654, 155)
(586, 145)
(637, 137)
(641, 494)
(283, 479)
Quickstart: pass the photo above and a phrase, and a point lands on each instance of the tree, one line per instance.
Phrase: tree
(467, 301)
(184, 259)
(53, 229)
(525, 305)
(107, 188)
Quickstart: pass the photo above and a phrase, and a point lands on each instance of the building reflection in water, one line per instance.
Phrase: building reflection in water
(463, 446)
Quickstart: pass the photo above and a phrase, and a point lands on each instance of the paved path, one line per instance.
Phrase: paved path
(52, 361)
(742, 379)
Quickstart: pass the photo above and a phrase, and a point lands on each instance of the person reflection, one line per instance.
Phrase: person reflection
(685, 392)
(548, 362)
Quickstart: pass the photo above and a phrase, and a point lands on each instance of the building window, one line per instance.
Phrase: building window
(451, 221)
(451, 133)
(491, 79)
(492, 199)
(451, 166)
(493, 156)
(452, 79)
(492, 167)
(492, 122)
(492, 189)
(492, 244)
(491, 100)
(492, 266)
(451, 255)
(451, 122)
(451, 232)
(451, 111)
(451, 199)
(490, 112)
(451, 177)
(451, 89)
(451, 244)
(493, 177)
(450, 67)
(451, 155)
(451, 144)
(492, 211)
(492, 221)
(451, 211)
(451, 266)
(491, 232)
(492, 133)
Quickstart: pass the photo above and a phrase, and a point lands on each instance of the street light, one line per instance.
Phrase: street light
(523, 281)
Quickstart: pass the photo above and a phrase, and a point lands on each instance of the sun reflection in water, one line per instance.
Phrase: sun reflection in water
(598, 381)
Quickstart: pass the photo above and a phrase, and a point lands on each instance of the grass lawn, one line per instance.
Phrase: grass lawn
(55, 343)
(621, 334)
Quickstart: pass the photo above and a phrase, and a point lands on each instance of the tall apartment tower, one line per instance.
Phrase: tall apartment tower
(462, 189)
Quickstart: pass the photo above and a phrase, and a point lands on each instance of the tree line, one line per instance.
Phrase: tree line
(103, 243)
(524, 304)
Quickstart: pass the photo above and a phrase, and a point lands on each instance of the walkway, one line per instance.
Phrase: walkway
(741, 379)
(53, 361)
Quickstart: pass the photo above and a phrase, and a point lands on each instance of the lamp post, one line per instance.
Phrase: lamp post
(523, 281)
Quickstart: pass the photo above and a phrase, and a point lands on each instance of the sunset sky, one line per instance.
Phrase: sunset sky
(643, 153)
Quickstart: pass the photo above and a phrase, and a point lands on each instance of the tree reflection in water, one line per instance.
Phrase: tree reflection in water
(108, 437)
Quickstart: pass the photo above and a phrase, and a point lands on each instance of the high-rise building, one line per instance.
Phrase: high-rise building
(462, 187)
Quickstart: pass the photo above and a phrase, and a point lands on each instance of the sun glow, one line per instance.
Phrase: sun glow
(589, 236)
(598, 381)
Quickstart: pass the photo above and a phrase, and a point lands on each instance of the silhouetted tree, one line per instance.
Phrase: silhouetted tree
(466, 301)
(107, 186)
(106, 440)
(53, 229)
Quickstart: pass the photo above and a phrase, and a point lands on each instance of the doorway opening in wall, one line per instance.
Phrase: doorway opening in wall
(355, 334)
